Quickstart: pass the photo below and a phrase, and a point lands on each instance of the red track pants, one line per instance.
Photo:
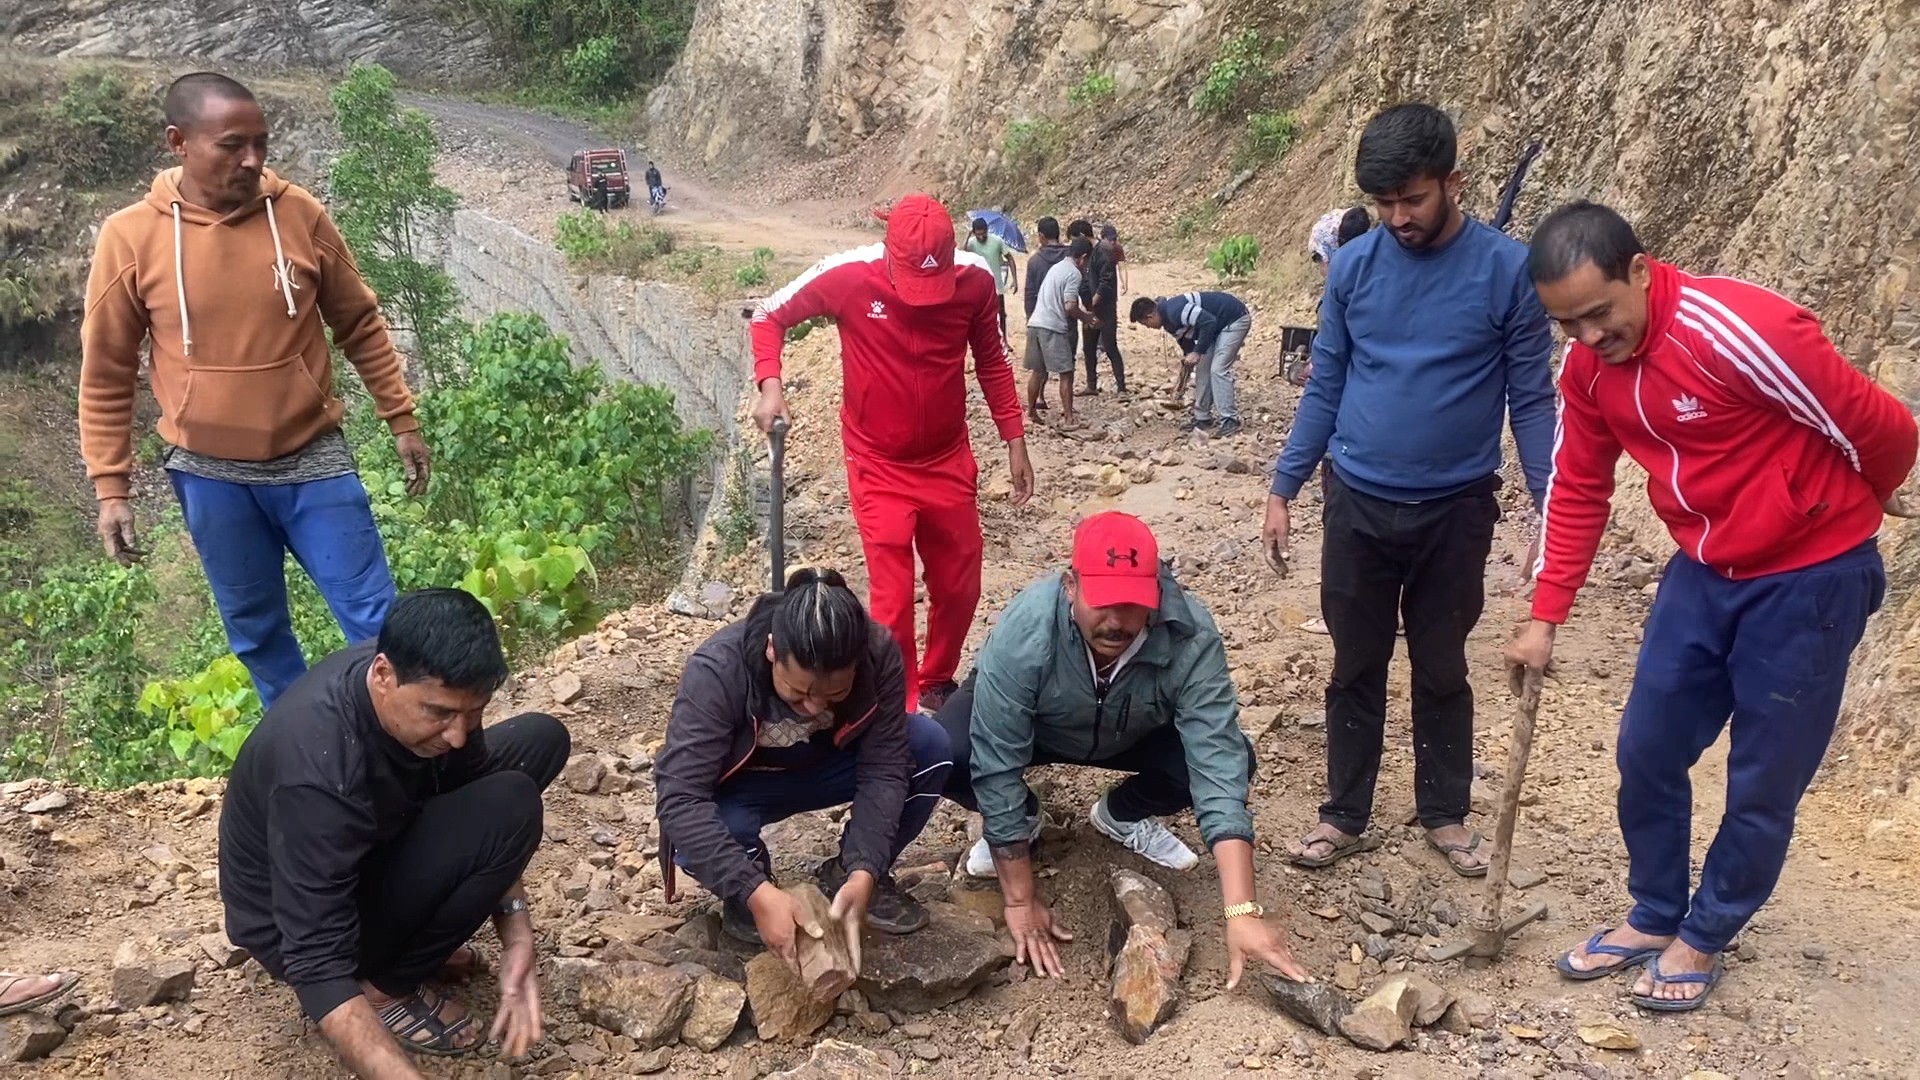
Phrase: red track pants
(933, 506)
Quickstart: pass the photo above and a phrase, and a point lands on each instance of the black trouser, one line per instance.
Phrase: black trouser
(1425, 562)
(1106, 337)
(432, 887)
(1003, 315)
(1159, 785)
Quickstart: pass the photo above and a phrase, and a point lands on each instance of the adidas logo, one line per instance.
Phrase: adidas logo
(1687, 407)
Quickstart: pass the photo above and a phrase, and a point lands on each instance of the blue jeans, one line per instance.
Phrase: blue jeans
(752, 800)
(1768, 658)
(243, 533)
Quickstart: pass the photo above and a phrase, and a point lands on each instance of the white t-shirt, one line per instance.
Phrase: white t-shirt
(1062, 284)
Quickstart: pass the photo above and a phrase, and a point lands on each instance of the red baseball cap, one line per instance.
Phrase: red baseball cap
(920, 250)
(1117, 561)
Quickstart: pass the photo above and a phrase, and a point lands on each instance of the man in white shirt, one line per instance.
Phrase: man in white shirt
(1050, 332)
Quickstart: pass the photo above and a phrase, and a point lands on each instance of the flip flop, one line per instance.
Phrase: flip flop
(1629, 958)
(1341, 849)
(1709, 979)
(420, 1012)
(1468, 848)
(68, 980)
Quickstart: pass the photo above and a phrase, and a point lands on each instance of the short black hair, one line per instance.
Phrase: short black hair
(443, 634)
(1081, 246)
(1108, 232)
(1143, 306)
(1403, 144)
(979, 223)
(819, 624)
(1081, 227)
(1049, 228)
(1582, 232)
(187, 96)
(1353, 225)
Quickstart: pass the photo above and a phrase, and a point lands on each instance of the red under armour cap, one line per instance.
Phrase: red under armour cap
(1117, 561)
(920, 250)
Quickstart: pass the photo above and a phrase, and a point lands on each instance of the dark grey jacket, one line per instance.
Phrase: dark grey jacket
(726, 692)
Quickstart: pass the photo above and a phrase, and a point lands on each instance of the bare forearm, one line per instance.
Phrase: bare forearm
(365, 1046)
(1014, 864)
(1235, 860)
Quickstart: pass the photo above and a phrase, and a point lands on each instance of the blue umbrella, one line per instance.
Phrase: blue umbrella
(1002, 226)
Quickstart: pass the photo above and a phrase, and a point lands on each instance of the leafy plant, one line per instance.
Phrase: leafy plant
(206, 715)
(1030, 145)
(738, 523)
(1269, 136)
(1234, 257)
(102, 129)
(754, 273)
(596, 67)
(799, 331)
(588, 239)
(1094, 87)
(1196, 218)
(387, 205)
(531, 584)
(1240, 71)
(644, 36)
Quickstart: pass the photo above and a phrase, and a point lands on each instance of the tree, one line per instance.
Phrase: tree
(386, 203)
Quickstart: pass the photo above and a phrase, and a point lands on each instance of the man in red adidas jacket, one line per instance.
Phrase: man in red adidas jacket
(907, 311)
(1772, 461)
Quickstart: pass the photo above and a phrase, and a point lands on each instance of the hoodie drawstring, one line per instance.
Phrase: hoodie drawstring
(282, 273)
(180, 283)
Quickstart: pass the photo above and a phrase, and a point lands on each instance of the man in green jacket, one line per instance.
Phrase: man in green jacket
(1112, 664)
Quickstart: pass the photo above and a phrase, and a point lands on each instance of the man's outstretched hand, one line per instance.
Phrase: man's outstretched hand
(1531, 647)
(771, 405)
(517, 1026)
(850, 910)
(1251, 938)
(116, 531)
(415, 462)
(1034, 935)
(1896, 506)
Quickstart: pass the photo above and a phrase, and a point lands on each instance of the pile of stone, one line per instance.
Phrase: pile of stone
(1148, 951)
(1387, 1017)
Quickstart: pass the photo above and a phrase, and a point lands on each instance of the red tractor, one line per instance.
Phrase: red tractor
(597, 179)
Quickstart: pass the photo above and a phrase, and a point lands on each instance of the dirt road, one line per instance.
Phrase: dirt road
(1820, 985)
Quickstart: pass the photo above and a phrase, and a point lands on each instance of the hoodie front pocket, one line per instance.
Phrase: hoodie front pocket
(240, 412)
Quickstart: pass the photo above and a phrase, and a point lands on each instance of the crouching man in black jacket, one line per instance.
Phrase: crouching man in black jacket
(800, 706)
(371, 826)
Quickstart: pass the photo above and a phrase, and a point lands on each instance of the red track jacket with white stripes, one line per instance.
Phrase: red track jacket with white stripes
(905, 395)
(1765, 450)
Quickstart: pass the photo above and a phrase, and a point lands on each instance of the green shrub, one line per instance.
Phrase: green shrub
(1240, 71)
(1195, 219)
(206, 715)
(592, 241)
(596, 67)
(799, 331)
(1093, 88)
(1269, 136)
(754, 274)
(102, 129)
(1030, 145)
(1234, 257)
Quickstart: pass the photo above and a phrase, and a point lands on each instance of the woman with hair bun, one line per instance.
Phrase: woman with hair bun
(800, 706)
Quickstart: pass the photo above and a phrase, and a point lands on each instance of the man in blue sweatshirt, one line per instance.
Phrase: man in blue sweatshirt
(1430, 331)
(1210, 328)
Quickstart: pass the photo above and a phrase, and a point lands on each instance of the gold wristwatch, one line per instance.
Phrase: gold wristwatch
(1248, 908)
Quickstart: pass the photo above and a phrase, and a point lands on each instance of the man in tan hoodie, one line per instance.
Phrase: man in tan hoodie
(234, 275)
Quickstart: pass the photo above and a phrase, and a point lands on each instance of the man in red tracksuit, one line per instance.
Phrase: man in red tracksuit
(1772, 461)
(908, 310)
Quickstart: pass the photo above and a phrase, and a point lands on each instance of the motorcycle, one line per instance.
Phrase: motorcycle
(658, 198)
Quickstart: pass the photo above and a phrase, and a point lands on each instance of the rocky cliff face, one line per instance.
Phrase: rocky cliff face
(406, 36)
(1769, 140)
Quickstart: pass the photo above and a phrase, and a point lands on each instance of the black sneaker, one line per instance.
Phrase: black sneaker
(1228, 428)
(1092, 390)
(1202, 426)
(890, 911)
(932, 698)
(736, 921)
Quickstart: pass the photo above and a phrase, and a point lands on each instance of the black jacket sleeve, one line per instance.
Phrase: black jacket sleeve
(700, 738)
(1036, 273)
(883, 766)
(319, 837)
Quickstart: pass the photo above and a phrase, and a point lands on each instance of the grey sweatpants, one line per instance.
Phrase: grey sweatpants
(1213, 381)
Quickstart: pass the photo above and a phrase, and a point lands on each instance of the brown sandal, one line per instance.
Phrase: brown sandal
(1340, 849)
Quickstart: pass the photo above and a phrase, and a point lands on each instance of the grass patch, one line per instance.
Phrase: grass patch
(1268, 137)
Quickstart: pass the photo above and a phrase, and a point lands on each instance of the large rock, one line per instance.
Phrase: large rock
(724, 964)
(1318, 1005)
(783, 1008)
(1430, 1000)
(1384, 1020)
(140, 980)
(645, 1002)
(835, 1060)
(716, 1012)
(29, 1036)
(583, 772)
(1146, 983)
(932, 967)
(1140, 901)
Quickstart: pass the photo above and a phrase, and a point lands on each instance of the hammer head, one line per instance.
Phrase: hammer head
(1489, 942)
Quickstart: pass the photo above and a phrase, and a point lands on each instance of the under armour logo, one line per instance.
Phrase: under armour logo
(930, 263)
(1132, 557)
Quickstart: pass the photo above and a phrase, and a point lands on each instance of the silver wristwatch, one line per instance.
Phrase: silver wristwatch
(508, 908)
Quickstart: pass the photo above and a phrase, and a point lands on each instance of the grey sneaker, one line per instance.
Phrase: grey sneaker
(890, 911)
